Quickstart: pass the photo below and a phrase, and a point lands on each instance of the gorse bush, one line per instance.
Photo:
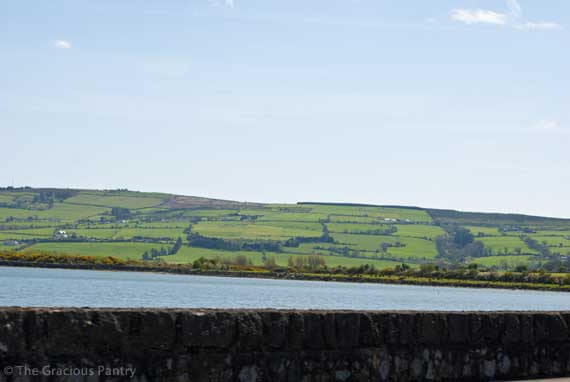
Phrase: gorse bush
(58, 258)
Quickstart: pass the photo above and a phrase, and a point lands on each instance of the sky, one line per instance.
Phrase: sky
(444, 104)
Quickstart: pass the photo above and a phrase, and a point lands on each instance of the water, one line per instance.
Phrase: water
(80, 288)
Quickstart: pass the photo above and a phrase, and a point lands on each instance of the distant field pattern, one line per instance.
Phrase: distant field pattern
(129, 225)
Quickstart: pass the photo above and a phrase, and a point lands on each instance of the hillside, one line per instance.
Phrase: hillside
(182, 229)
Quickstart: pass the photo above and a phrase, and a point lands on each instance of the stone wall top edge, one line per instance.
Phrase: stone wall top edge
(241, 310)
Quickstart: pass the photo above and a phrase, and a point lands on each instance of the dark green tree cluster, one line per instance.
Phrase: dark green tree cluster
(197, 240)
(533, 244)
(306, 263)
(121, 213)
(176, 247)
(155, 254)
(51, 196)
(325, 237)
(459, 244)
(390, 230)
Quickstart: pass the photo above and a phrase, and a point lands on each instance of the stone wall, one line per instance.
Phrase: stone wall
(267, 345)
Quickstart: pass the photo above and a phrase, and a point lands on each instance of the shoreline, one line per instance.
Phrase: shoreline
(389, 280)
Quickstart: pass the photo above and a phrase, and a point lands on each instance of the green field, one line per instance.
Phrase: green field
(287, 216)
(95, 233)
(356, 228)
(343, 234)
(563, 233)
(6, 198)
(170, 233)
(552, 241)
(496, 261)
(103, 200)
(208, 213)
(508, 243)
(60, 212)
(255, 231)
(35, 232)
(414, 215)
(128, 251)
(412, 248)
(487, 231)
(315, 248)
(188, 255)
(419, 231)
(15, 236)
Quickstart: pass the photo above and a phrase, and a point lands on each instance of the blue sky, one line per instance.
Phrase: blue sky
(450, 104)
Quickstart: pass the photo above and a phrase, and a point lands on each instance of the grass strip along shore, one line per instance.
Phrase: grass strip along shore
(430, 275)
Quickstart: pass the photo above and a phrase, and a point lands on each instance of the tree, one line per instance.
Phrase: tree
(290, 262)
(121, 213)
(270, 262)
(462, 237)
(315, 261)
(521, 268)
(174, 250)
(300, 262)
(241, 260)
(402, 268)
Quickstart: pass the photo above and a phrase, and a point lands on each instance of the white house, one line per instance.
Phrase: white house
(60, 234)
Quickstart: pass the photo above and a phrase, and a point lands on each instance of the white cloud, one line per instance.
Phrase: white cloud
(548, 124)
(221, 3)
(540, 26)
(515, 8)
(62, 44)
(514, 19)
(478, 16)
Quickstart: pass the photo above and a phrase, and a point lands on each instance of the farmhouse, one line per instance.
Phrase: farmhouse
(60, 234)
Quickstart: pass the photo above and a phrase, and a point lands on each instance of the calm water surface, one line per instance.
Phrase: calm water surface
(80, 288)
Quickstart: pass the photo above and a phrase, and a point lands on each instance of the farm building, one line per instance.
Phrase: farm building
(60, 234)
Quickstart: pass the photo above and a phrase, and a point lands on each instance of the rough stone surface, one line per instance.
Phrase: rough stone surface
(272, 345)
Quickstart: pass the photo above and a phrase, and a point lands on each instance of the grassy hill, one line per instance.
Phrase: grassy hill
(137, 225)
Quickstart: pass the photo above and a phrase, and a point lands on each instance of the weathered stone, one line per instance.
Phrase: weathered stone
(275, 327)
(248, 374)
(407, 328)
(512, 332)
(504, 364)
(527, 328)
(347, 329)
(296, 331)
(458, 328)
(489, 368)
(249, 331)
(108, 335)
(209, 329)
(11, 333)
(390, 322)
(329, 332)
(237, 345)
(313, 331)
(486, 328)
(550, 327)
(369, 331)
(431, 328)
